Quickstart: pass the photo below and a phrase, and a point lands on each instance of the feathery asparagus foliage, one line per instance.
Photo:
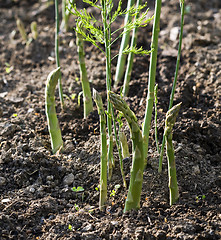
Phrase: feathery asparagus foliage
(182, 7)
(152, 75)
(169, 123)
(87, 99)
(136, 179)
(124, 43)
(53, 125)
(103, 173)
(57, 52)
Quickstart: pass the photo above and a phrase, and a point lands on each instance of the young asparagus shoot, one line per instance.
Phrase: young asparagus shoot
(65, 15)
(53, 125)
(34, 30)
(57, 52)
(182, 7)
(124, 145)
(152, 76)
(136, 179)
(124, 43)
(168, 132)
(155, 107)
(103, 173)
(21, 29)
(87, 99)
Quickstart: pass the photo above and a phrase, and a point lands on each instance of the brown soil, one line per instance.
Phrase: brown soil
(36, 199)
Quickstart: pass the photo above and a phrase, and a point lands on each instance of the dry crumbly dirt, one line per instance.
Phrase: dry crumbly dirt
(36, 200)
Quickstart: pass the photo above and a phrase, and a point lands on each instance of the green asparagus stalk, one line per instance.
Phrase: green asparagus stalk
(103, 173)
(155, 106)
(53, 125)
(182, 5)
(107, 40)
(136, 179)
(124, 145)
(124, 42)
(131, 56)
(21, 29)
(152, 75)
(169, 123)
(34, 30)
(122, 152)
(57, 52)
(88, 104)
(65, 16)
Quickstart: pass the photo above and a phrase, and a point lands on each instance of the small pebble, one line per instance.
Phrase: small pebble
(174, 33)
(31, 190)
(2, 181)
(87, 228)
(68, 179)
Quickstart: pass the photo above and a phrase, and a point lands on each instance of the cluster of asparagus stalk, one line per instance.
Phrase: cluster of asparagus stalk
(86, 31)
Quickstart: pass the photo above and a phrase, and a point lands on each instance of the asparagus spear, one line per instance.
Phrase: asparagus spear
(53, 125)
(136, 179)
(124, 145)
(88, 104)
(103, 174)
(170, 121)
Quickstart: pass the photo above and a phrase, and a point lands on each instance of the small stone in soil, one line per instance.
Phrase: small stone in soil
(2, 181)
(68, 179)
(87, 228)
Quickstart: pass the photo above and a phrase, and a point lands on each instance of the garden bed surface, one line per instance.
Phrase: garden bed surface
(36, 200)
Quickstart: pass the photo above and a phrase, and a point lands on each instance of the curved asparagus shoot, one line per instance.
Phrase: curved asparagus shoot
(152, 75)
(57, 52)
(131, 56)
(88, 104)
(53, 125)
(124, 42)
(136, 179)
(170, 121)
(103, 173)
(175, 78)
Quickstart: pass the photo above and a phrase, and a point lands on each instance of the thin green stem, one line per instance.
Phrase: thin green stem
(152, 76)
(57, 52)
(124, 42)
(103, 171)
(130, 59)
(175, 79)
(53, 125)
